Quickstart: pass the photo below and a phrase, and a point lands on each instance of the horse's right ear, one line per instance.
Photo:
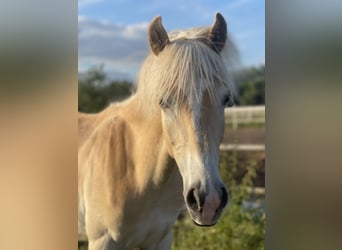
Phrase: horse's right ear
(157, 36)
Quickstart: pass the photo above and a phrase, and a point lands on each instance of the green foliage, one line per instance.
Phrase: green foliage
(96, 91)
(251, 86)
(82, 245)
(241, 227)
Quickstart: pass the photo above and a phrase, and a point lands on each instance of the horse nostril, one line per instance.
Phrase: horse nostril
(193, 200)
(224, 198)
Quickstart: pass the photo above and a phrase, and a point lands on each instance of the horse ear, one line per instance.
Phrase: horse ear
(218, 33)
(157, 35)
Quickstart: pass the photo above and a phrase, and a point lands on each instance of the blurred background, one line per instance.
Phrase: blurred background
(38, 108)
(112, 44)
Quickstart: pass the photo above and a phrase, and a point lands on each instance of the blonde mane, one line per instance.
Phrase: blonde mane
(184, 70)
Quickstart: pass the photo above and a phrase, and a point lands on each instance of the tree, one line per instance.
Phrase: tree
(96, 91)
(251, 86)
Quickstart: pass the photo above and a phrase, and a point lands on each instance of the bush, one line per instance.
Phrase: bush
(241, 226)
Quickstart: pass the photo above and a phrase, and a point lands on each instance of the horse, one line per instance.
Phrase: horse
(142, 161)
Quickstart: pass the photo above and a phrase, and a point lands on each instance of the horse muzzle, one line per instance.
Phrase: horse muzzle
(205, 208)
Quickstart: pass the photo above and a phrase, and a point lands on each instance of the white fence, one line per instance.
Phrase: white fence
(244, 115)
(242, 147)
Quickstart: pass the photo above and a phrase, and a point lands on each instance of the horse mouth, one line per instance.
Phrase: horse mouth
(198, 222)
(203, 225)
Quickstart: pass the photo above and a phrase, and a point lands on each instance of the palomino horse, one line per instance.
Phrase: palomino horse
(139, 160)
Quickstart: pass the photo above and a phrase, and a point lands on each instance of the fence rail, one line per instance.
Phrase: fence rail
(244, 115)
(242, 147)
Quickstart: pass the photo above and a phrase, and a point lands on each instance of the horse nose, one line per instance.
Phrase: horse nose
(207, 206)
(195, 199)
(224, 198)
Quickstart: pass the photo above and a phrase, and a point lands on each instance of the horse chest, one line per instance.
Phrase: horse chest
(149, 220)
(147, 228)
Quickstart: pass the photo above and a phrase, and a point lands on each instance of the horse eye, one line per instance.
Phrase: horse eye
(227, 101)
(163, 104)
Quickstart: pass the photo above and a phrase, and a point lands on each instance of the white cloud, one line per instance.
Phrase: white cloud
(122, 48)
(82, 19)
(135, 31)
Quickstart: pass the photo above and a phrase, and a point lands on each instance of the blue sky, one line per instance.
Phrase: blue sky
(114, 32)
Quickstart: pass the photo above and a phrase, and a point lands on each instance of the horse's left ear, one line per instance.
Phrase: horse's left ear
(157, 36)
(218, 33)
